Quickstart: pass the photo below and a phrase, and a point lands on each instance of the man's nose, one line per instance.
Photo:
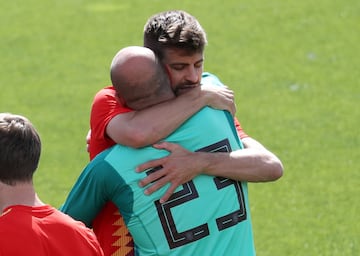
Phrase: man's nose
(192, 75)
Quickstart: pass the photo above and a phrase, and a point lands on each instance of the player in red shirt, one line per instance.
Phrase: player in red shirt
(27, 225)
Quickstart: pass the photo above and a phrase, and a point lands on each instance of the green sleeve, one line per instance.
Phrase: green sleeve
(90, 192)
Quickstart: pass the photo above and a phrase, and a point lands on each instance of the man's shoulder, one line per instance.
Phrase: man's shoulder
(209, 78)
(101, 158)
(207, 75)
(106, 91)
(106, 101)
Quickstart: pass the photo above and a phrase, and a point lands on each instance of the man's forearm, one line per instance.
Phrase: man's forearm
(244, 165)
(251, 164)
(147, 126)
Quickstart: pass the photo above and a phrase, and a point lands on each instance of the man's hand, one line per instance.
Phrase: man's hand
(177, 168)
(219, 97)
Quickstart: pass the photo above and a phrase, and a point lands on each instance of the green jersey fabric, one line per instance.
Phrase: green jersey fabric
(206, 216)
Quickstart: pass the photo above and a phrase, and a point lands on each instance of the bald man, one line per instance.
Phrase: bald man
(140, 82)
(139, 78)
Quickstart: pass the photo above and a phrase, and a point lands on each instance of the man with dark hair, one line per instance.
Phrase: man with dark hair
(27, 225)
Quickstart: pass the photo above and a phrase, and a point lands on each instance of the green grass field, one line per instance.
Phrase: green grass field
(294, 66)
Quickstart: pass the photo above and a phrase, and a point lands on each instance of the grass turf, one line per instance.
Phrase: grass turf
(293, 66)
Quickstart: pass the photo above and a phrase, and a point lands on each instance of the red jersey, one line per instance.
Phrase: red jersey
(42, 231)
(109, 225)
(105, 106)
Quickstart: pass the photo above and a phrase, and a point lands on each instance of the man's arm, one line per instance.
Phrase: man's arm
(145, 127)
(253, 164)
(88, 195)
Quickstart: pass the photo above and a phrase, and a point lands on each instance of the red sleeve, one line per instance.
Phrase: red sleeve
(105, 106)
(240, 130)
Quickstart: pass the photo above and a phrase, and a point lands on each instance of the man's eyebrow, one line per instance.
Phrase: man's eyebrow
(202, 60)
(185, 63)
(178, 63)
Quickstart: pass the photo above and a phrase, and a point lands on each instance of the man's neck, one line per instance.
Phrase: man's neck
(20, 194)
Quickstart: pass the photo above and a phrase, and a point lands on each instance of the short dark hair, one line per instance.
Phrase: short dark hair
(174, 29)
(20, 149)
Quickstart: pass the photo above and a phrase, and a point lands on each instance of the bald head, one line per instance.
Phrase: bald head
(139, 78)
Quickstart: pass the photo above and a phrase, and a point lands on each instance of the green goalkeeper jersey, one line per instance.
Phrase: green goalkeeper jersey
(206, 216)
